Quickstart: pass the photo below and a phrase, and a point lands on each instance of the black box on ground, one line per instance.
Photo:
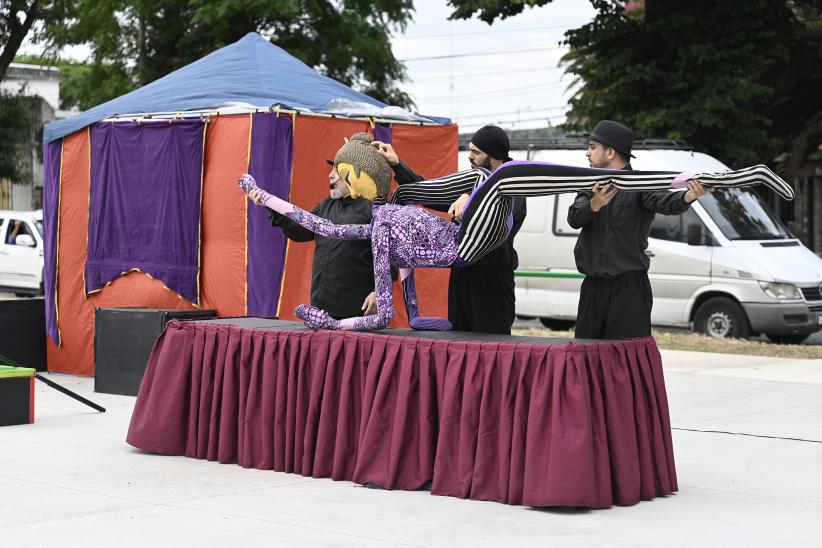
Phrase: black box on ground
(23, 331)
(16, 395)
(123, 339)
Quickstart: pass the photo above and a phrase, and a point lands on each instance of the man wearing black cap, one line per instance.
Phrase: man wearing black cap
(480, 296)
(342, 272)
(615, 300)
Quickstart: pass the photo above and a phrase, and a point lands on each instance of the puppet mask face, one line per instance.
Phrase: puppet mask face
(361, 185)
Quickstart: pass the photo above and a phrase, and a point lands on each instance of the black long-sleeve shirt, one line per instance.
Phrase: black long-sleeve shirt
(504, 256)
(613, 240)
(342, 273)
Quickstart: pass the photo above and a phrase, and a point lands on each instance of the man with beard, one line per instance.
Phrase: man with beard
(480, 296)
(342, 272)
(615, 299)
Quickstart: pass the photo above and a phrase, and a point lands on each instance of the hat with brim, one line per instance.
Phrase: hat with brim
(614, 135)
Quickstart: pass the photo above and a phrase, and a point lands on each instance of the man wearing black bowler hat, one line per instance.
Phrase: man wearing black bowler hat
(615, 300)
(480, 296)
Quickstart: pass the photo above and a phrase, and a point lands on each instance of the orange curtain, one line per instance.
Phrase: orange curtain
(432, 151)
(222, 246)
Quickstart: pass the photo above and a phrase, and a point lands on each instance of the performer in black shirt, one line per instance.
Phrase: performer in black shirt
(480, 296)
(342, 272)
(615, 300)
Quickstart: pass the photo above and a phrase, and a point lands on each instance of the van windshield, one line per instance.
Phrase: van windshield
(742, 215)
(39, 225)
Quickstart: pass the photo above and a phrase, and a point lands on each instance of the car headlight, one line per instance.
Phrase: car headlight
(776, 290)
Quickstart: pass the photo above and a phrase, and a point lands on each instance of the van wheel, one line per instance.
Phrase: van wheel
(788, 339)
(557, 325)
(722, 317)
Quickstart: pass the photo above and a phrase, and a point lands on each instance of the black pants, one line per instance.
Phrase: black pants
(481, 299)
(618, 308)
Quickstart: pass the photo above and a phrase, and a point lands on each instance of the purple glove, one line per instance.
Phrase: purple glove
(316, 318)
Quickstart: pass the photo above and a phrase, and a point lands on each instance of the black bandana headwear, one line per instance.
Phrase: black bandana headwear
(493, 141)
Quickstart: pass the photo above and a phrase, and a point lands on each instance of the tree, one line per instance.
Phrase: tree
(18, 18)
(15, 131)
(489, 10)
(137, 41)
(739, 80)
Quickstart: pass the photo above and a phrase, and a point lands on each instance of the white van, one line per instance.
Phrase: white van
(21, 252)
(727, 267)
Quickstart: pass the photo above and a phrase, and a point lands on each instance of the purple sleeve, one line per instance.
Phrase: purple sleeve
(326, 228)
(315, 224)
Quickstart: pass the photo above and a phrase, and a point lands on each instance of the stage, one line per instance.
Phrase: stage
(518, 420)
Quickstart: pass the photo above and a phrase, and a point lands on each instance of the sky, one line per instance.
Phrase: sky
(506, 74)
(473, 82)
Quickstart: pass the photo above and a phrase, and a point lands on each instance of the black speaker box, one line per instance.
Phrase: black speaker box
(123, 339)
(23, 332)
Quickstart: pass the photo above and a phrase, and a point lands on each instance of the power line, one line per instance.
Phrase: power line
(524, 110)
(479, 53)
(484, 32)
(489, 73)
(501, 122)
(504, 91)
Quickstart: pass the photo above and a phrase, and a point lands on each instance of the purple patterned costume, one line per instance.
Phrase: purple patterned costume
(404, 236)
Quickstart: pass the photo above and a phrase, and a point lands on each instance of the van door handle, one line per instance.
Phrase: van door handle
(649, 253)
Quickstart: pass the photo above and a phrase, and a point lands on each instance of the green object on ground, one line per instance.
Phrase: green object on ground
(547, 274)
(9, 371)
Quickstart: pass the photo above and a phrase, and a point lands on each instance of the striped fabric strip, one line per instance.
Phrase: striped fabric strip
(483, 222)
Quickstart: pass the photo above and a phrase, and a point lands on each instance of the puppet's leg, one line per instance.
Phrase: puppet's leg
(416, 321)
(441, 192)
(485, 218)
(315, 224)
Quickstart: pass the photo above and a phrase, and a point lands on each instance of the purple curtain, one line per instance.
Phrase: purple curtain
(271, 155)
(52, 158)
(144, 211)
(515, 422)
(382, 132)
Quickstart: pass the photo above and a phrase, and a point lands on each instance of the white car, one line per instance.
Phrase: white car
(21, 252)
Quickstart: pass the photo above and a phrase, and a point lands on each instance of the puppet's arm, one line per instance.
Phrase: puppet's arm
(315, 224)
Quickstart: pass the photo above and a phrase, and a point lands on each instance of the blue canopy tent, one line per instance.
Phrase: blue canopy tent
(238, 267)
(251, 71)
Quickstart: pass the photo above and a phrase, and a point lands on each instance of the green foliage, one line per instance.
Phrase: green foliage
(739, 80)
(16, 136)
(699, 71)
(489, 10)
(137, 41)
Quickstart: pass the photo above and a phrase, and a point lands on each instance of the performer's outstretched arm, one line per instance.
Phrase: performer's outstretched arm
(315, 224)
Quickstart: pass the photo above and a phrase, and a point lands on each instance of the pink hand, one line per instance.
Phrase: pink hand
(681, 180)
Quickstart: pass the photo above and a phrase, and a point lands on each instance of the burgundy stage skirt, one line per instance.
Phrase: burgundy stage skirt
(516, 422)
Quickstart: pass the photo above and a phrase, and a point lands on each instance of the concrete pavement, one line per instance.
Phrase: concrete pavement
(71, 480)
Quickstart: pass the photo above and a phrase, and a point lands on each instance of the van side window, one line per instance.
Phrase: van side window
(674, 228)
(561, 226)
(667, 227)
